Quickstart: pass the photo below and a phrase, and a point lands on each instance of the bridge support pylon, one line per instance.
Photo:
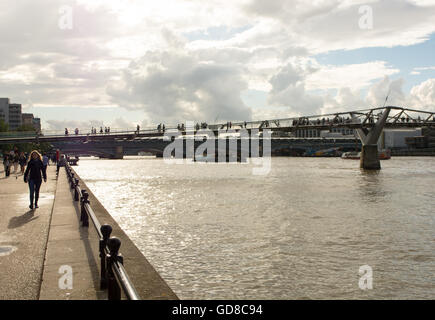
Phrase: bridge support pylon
(370, 157)
(119, 152)
(369, 152)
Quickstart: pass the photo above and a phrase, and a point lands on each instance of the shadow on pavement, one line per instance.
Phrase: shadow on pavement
(19, 221)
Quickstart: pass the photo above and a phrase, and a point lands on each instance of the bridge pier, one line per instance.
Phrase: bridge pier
(369, 158)
(119, 152)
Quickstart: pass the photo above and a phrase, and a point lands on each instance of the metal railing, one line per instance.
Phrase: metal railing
(113, 274)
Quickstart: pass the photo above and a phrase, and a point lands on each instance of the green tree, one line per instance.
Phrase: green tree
(26, 127)
(4, 127)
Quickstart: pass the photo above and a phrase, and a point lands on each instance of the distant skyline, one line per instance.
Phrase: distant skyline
(119, 63)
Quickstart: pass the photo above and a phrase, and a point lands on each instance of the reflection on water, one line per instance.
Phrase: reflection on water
(215, 231)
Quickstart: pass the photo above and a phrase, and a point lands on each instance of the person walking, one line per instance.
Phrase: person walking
(15, 160)
(22, 162)
(33, 176)
(60, 163)
(45, 162)
(6, 164)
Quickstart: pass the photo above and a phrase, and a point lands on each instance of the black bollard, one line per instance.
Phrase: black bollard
(114, 290)
(84, 215)
(106, 230)
(72, 180)
(76, 193)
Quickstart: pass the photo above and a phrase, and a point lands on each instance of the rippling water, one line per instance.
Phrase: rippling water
(216, 231)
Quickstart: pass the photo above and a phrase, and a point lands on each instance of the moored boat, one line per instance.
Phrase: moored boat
(355, 155)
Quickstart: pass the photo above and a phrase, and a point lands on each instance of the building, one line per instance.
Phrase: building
(27, 119)
(11, 114)
(15, 120)
(37, 124)
(4, 109)
(396, 138)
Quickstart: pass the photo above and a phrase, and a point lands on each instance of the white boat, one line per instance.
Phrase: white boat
(355, 155)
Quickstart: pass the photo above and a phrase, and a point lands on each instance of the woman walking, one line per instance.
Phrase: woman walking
(33, 174)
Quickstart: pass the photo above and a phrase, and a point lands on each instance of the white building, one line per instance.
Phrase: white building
(390, 138)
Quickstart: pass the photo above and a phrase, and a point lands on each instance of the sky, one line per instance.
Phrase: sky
(119, 63)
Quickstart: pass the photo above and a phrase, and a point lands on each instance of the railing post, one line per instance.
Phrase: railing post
(76, 193)
(106, 230)
(84, 215)
(114, 290)
(71, 180)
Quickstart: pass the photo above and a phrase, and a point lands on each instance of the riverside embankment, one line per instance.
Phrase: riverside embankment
(38, 246)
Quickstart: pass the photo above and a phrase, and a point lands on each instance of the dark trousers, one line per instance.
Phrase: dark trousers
(34, 186)
(44, 168)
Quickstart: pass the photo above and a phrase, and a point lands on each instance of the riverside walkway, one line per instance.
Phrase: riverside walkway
(38, 246)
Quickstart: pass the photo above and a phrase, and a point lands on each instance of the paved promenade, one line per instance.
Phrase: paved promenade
(70, 247)
(37, 246)
(23, 235)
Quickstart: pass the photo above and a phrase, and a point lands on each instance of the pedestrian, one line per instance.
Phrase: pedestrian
(33, 176)
(137, 128)
(60, 163)
(22, 162)
(6, 164)
(66, 131)
(15, 160)
(57, 155)
(45, 162)
(101, 129)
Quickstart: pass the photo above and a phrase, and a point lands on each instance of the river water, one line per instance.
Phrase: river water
(217, 231)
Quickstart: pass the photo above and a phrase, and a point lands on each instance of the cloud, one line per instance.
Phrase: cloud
(143, 55)
(378, 93)
(60, 125)
(423, 95)
(323, 26)
(175, 86)
(355, 76)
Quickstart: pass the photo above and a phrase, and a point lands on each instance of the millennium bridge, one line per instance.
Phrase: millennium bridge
(368, 124)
